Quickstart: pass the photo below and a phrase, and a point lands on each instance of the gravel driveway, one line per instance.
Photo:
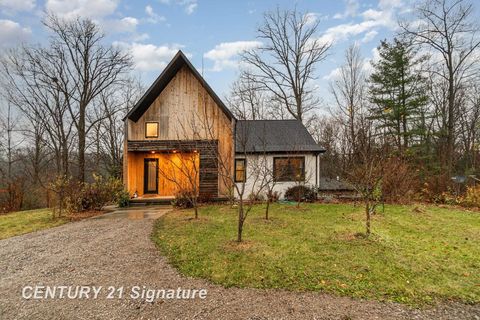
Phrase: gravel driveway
(117, 251)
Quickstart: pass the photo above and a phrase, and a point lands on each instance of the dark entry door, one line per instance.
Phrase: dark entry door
(150, 176)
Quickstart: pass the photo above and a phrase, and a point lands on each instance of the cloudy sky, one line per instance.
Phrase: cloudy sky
(212, 31)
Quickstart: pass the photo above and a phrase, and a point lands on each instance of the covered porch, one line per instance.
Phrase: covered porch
(161, 175)
(158, 170)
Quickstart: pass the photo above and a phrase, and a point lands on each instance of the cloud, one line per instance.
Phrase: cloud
(84, 8)
(382, 16)
(152, 16)
(9, 6)
(141, 37)
(102, 12)
(332, 75)
(148, 57)
(312, 17)
(123, 25)
(369, 36)
(189, 6)
(335, 74)
(12, 33)
(224, 54)
(351, 8)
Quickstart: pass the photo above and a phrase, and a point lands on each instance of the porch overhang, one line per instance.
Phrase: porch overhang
(207, 146)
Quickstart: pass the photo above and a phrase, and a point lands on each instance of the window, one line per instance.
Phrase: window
(151, 130)
(289, 168)
(240, 170)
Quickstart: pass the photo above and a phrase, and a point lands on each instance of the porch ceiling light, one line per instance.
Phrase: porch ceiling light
(152, 152)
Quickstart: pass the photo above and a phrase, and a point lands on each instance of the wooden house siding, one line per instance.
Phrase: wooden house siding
(185, 112)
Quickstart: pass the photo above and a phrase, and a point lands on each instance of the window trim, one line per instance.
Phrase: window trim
(289, 180)
(244, 170)
(158, 129)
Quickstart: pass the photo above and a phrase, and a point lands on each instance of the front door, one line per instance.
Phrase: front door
(150, 176)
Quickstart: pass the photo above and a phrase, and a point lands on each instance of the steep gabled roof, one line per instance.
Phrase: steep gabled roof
(270, 136)
(162, 81)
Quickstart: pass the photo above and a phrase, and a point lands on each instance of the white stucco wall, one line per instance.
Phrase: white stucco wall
(255, 163)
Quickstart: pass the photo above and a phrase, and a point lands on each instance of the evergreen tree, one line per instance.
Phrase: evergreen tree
(398, 94)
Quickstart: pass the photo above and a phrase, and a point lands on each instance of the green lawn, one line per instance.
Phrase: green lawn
(413, 257)
(17, 223)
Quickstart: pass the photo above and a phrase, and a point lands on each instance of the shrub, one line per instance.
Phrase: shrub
(100, 193)
(300, 193)
(123, 198)
(67, 192)
(256, 197)
(78, 197)
(205, 198)
(471, 197)
(399, 182)
(273, 196)
(183, 199)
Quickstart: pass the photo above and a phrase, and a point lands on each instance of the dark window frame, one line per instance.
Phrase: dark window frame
(244, 170)
(158, 129)
(285, 178)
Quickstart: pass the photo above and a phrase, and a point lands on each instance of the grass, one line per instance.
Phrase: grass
(21, 222)
(413, 257)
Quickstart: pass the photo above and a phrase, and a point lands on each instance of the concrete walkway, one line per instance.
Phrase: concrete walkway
(136, 212)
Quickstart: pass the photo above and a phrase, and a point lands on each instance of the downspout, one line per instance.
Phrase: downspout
(316, 170)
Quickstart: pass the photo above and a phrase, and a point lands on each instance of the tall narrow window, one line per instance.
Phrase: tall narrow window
(289, 168)
(151, 130)
(240, 170)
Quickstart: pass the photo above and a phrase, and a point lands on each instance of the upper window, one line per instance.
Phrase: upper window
(151, 130)
(289, 168)
(240, 170)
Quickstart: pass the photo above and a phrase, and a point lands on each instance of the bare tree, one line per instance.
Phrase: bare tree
(284, 64)
(89, 68)
(10, 127)
(349, 93)
(447, 27)
(469, 126)
(254, 183)
(244, 193)
(365, 175)
(328, 133)
(28, 84)
(114, 104)
(181, 166)
(246, 99)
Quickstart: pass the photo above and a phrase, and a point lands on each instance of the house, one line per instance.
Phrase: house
(283, 148)
(180, 135)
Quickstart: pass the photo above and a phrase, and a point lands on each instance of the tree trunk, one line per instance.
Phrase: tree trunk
(195, 207)
(240, 222)
(367, 211)
(266, 209)
(81, 145)
(451, 120)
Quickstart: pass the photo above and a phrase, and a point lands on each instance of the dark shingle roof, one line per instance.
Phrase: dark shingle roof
(330, 184)
(274, 136)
